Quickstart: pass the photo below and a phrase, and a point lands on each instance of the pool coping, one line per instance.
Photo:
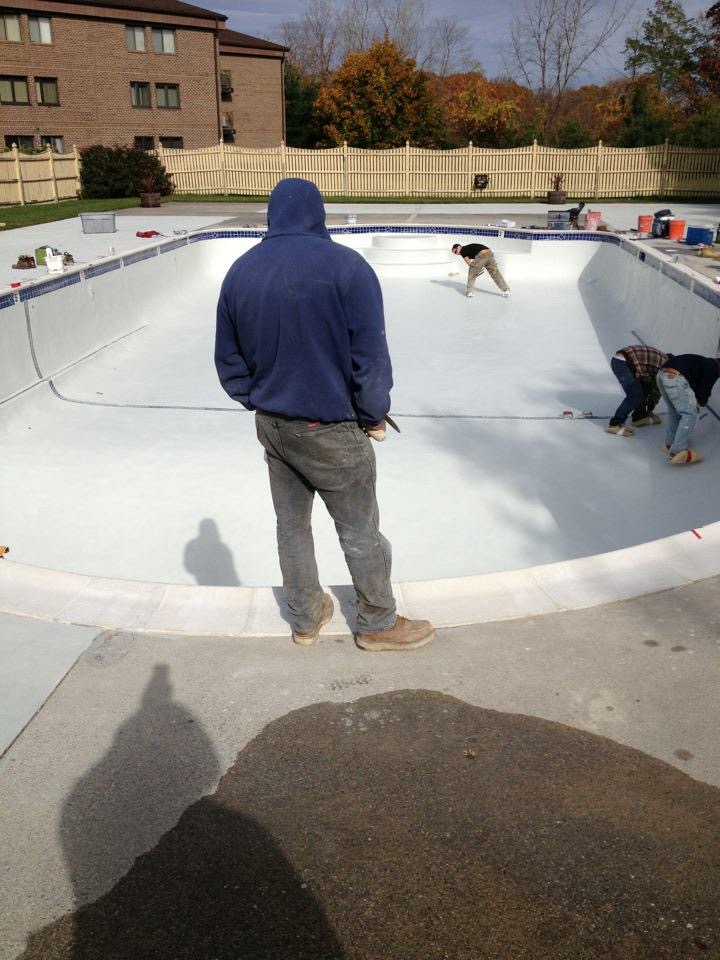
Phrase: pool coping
(147, 607)
(144, 607)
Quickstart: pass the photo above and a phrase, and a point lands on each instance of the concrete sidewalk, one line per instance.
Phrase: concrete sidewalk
(144, 727)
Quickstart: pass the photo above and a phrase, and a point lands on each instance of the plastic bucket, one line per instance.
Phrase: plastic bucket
(676, 229)
(645, 221)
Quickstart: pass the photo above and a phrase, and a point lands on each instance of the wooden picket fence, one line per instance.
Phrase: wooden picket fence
(523, 173)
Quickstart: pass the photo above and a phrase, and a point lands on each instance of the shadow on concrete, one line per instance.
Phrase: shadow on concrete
(210, 560)
(421, 827)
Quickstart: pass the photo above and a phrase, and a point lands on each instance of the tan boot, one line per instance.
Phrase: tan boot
(306, 638)
(686, 456)
(404, 635)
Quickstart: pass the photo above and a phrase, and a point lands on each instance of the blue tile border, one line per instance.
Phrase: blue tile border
(98, 269)
(139, 255)
(49, 286)
(668, 269)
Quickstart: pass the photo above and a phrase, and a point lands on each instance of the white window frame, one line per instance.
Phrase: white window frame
(10, 19)
(163, 40)
(40, 26)
(133, 34)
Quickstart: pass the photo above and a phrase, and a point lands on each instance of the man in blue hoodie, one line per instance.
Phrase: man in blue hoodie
(300, 339)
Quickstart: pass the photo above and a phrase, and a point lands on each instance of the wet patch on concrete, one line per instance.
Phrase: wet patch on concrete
(413, 825)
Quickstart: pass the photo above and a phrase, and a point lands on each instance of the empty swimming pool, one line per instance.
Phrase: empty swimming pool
(123, 458)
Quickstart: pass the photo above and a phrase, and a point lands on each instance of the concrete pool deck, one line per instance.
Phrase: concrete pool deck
(108, 736)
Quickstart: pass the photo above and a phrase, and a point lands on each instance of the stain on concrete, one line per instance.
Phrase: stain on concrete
(684, 755)
(650, 643)
(413, 826)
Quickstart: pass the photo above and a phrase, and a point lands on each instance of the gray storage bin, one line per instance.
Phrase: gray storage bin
(98, 222)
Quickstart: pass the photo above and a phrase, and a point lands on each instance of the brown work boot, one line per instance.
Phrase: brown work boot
(306, 638)
(404, 635)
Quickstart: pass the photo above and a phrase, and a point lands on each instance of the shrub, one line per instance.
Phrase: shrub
(112, 172)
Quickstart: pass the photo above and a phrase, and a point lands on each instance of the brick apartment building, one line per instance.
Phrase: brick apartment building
(148, 72)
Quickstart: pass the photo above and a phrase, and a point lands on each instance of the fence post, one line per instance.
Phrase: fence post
(76, 157)
(53, 181)
(664, 169)
(18, 174)
(533, 175)
(469, 165)
(223, 175)
(345, 168)
(598, 169)
(283, 159)
(407, 168)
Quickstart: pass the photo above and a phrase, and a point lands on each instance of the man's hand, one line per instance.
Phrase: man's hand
(376, 431)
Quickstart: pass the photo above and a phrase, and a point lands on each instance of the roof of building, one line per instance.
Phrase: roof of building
(231, 38)
(175, 7)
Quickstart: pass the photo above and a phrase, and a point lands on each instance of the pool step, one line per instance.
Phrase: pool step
(409, 250)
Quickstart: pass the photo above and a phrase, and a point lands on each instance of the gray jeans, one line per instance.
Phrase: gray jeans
(335, 460)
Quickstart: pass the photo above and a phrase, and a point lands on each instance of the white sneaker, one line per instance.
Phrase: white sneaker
(469, 294)
(506, 294)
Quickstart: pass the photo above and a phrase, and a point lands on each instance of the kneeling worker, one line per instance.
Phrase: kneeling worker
(636, 368)
(479, 258)
(685, 382)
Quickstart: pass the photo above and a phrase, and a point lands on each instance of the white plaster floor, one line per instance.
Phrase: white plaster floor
(473, 484)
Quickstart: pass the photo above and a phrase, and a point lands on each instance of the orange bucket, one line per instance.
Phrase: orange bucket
(645, 222)
(676, 229)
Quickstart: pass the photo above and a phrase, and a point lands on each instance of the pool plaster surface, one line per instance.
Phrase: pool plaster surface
(641, 673)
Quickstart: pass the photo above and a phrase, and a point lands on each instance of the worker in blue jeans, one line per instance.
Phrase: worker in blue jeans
(686, 382)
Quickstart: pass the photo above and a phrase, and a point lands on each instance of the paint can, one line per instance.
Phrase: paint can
(350, 218)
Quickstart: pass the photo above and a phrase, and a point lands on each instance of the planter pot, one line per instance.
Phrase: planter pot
(150, 199)
(557, 196)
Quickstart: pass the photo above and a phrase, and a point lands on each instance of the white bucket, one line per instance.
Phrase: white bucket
(54, 263)
(350, 218)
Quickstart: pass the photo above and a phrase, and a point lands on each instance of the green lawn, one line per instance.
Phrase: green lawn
(32, 213)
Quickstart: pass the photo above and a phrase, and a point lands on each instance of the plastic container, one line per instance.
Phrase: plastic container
(98, 222)
(676, 229)
(645, 221)
(592, 219)
(704, 235)
(41, 253)
(350, 218)
(54, 263)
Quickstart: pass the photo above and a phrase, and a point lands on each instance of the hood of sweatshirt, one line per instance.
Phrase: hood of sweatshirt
(296, 208)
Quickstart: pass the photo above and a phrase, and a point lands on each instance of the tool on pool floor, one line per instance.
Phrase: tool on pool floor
(4, 550)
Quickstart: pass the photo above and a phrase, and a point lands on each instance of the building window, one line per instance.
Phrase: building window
(14, 90)
(10, 27)
(171, 143)
(167, 95)
(57, 143)
(228, 131)
(144, 143)
(40, 30)
(163, 41)
(140, 94)
(226, 89)
(24, 142)
(46, 91)
(135, 38)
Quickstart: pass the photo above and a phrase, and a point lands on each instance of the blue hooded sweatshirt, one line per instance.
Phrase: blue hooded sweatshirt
(300, 325)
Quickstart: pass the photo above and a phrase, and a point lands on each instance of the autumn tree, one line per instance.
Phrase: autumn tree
(490, 113)
(379, 98)
(552, 41)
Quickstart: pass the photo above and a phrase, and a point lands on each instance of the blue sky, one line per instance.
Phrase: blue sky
(488, 27)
